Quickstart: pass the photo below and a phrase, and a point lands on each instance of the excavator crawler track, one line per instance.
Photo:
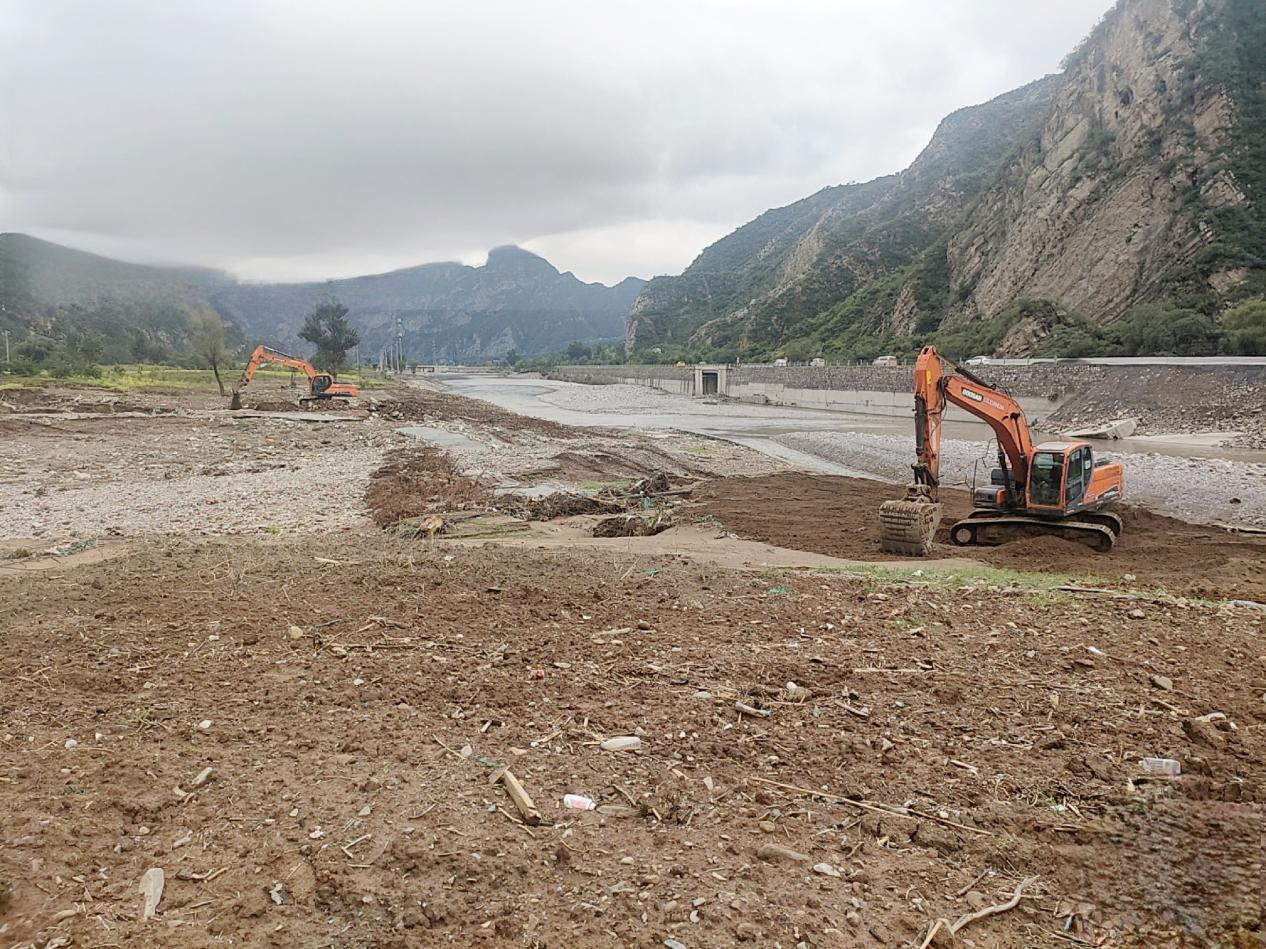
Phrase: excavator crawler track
(990, 528)
(908, 527)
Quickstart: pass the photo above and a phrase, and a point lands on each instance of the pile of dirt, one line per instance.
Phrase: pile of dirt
(838, 516)
(412, 404)
(332, 726)
(418, 481)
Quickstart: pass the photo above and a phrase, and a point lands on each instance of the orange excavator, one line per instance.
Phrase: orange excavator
(1054, 488)
(320, 385)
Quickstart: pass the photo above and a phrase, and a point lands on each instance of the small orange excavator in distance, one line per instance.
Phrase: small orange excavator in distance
(1053, 488)
(320, 385)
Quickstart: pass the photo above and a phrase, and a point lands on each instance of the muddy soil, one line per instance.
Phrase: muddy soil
(350, 798)
(838, 516)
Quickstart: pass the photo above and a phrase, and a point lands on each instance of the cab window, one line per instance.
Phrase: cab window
(1046, 477)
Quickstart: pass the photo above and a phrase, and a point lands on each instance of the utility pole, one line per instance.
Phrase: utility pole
(6, 346)
(399, 344)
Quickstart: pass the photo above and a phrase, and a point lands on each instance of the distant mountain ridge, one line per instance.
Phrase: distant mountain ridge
(449, 312)
(1126, 194)
(516, 302)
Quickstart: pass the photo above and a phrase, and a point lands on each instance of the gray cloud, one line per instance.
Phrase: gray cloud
(313, 139)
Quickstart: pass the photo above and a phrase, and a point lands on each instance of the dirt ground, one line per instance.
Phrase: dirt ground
(305, 730)
(836, 516)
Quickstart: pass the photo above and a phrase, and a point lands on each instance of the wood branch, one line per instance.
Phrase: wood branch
(527, 810)
(1010, 904)
(907, 813)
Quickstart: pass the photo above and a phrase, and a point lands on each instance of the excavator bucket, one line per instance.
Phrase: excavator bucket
(236, 402)
(909, 526)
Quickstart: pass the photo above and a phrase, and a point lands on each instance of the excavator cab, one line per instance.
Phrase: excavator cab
(1065, 478)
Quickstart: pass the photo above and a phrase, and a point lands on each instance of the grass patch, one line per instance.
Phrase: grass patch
(170, 379)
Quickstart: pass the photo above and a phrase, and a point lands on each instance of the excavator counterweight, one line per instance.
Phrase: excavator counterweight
(1058, 488)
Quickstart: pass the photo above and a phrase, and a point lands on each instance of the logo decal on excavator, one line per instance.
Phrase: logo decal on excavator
(974, 396)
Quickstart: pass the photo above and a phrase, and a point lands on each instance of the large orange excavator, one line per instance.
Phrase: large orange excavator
(320, 385)
(1054, 488)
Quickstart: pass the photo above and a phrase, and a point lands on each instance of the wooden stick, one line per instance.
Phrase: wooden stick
(996, 908)
(878, 808)
(980, 876)
(936, 927)
(522, 801)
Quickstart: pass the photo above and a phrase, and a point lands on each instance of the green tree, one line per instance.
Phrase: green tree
(327, 329)
(578, 351)
(1245, 327)
(76, 355)
(208, 342)
(1159, 329)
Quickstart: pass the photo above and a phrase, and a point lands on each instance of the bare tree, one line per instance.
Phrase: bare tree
(208, 343)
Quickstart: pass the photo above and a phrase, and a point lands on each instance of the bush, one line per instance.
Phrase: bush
(1160, 329)
(1245, 328)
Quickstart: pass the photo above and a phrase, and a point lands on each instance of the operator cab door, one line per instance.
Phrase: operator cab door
(1080, 470)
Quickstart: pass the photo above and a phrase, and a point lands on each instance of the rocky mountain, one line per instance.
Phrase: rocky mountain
(449, 312)
(1075, 212)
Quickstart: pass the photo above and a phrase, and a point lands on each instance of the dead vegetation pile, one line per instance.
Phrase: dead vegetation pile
(418, 482)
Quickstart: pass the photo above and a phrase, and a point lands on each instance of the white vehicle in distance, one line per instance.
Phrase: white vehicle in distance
(978, 361)
(886, 361)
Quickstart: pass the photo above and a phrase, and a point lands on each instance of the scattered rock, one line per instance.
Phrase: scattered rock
(622, 743)
(294, 633)
(777, 854)
(1164, 683)
(151, 890)
(1202, 733)
(826, 870)
(941, 839)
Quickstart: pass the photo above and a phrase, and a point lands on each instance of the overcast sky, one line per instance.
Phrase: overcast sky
(309, 139)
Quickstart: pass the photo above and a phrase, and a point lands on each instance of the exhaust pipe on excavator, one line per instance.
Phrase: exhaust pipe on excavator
(908, 527)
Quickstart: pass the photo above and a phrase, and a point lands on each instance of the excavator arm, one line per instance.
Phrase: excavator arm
(263, 354)
(936, 382)
(909, 525)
